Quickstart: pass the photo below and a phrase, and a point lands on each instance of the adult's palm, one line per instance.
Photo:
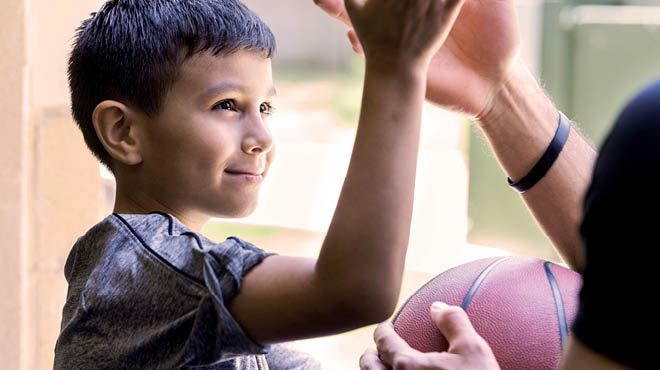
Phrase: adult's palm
(477, 58)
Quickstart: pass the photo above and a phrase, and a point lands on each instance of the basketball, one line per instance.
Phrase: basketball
(523, 307)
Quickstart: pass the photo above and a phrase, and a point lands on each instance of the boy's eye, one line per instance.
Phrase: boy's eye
(225, 105)
(266, 108)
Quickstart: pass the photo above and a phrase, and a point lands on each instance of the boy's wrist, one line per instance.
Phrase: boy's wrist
(408, 69)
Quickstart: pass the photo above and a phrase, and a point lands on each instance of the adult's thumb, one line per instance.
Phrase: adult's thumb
(335, 8)
(355, 42)
(453, 322)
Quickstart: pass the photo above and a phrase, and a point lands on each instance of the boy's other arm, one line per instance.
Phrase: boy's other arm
(356, 279)
(478, 71)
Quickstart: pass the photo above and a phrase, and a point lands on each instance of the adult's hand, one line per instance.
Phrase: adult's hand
(467, 350)
(476, 60)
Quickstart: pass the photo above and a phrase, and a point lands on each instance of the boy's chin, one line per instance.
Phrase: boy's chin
(238, 211)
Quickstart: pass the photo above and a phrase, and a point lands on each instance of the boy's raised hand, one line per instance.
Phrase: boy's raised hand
(402, 31)
(478, 57)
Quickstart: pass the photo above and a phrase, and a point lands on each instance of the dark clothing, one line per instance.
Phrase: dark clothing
(619, 232)
(145, 292)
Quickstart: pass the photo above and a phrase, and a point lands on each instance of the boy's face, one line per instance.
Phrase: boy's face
(210, 147)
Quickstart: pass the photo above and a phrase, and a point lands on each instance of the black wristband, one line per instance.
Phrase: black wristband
(543, 165)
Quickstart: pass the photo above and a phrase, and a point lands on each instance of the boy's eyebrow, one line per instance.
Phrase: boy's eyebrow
(230, 86)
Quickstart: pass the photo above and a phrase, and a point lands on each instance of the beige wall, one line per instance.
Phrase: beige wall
(13, 180)
(49, 183)
(304, 33)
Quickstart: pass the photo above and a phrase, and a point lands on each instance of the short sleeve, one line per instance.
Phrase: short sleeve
(198, 277)
(223, 271)
(287, 356)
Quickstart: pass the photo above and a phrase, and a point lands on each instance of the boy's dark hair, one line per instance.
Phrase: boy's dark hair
(131, 51)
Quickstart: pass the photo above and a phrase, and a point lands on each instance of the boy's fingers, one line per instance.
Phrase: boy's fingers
(452, 9)
(453, 4)
(453, 322)
(352, 6)
(447, 11)
(370, 361)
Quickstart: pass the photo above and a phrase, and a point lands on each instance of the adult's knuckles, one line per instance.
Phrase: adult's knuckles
(383, 343)
(454, 317)
(471, 346)
(405, 361)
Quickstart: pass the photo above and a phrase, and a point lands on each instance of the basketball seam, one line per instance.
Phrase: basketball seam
(413, 295)
(403, 306)
(477, 283)
(559, 303)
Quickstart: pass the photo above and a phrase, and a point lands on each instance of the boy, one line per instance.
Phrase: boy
(174, 97)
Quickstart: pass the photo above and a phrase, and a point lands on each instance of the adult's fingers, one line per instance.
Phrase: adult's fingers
(370, 361)
(336, 9)
(455, 325)
(355, 42)
(467, 349)
(390, 345)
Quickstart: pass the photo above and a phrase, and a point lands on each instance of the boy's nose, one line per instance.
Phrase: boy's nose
(258, 138)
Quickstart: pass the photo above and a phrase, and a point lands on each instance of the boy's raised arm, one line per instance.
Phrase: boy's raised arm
(356, 279)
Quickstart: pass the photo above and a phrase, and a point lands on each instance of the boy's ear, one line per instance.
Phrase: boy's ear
(118, 130)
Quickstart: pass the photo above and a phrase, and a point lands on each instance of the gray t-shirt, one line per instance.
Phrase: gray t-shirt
(145, 292)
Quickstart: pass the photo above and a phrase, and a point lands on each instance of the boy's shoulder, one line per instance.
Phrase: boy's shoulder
(159, 239)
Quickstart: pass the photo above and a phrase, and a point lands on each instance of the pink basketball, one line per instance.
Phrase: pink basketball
(523, 307)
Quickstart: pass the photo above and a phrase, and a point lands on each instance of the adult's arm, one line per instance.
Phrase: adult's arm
(519, 124)
(478, 72)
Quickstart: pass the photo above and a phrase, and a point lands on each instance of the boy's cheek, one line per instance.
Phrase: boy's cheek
(271, 154)
(269, 157)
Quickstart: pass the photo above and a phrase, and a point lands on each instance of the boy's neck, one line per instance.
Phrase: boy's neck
(137, 202)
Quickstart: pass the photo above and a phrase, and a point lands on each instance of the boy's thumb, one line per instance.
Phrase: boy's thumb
(452, 321)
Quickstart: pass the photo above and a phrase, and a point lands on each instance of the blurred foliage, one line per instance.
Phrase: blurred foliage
(218, 231)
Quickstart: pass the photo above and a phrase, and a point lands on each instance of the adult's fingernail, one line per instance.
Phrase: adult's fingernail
(438, 306)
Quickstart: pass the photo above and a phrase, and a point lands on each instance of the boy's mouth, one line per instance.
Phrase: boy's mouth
(244, 172)
(249, 175)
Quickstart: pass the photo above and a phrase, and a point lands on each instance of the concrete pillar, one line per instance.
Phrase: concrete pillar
(49, 183)
(312, 39)
(15, 171)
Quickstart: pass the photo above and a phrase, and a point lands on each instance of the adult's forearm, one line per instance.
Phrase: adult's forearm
(519, 124)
